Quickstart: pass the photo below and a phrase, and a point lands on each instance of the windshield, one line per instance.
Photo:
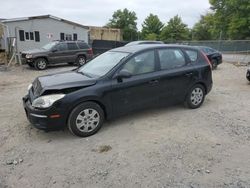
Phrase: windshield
(49, 46)
(102, 64)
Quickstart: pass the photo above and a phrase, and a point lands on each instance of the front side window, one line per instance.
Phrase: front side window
(50, 45)
(141, 64)
(62, 47)
(171, 58)
(102, 64)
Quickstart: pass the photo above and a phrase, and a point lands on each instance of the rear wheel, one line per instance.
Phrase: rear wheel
(214, 63)
(195, 97)
(86, 119)
(41, 64)
(81, 60)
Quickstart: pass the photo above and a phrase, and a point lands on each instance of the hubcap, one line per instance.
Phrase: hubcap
(42, 64)
(196, 96)
(81, 61)
(87, 120)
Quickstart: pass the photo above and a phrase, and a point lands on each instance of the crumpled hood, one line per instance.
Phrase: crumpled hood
(63, 80)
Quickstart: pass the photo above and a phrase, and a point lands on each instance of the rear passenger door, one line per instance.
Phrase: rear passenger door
(176, 74)
(73, 50)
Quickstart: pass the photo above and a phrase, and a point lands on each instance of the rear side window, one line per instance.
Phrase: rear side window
(171, 58)
(82, 45)
(192, 54)
(72, 46)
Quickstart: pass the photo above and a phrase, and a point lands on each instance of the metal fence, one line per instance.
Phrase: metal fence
(225, 46)
(233, 50)
(100, 46)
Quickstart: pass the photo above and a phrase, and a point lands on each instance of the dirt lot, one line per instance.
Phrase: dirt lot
(170, 147)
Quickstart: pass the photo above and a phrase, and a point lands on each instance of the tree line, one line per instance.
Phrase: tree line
(226, 20)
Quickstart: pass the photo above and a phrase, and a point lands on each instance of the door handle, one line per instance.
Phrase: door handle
(152, 82)
(189, 74)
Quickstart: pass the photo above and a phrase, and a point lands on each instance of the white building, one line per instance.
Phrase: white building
(35, 32)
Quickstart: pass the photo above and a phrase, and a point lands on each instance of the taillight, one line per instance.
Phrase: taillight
(90, 51)
(207, 60)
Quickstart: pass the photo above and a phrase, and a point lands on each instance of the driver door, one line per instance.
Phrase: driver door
(141, 89)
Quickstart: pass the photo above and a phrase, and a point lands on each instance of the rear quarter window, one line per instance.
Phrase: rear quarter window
(82, 45)
(192, 54)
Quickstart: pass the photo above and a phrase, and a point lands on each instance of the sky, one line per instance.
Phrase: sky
(98, 12)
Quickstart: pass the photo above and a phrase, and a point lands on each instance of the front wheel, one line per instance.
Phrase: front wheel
(41, 64)
(86, 119)
(195, 97)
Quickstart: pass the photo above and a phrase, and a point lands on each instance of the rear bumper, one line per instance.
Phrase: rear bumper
(41, 119)
(209, 87)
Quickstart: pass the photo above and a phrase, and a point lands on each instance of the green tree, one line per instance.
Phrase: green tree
(231, 18)
(151, 27)
(126, 21)
(203, 29)
(151, 36)
(175, 30)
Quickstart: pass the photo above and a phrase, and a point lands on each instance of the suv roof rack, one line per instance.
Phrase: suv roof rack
(69, 40)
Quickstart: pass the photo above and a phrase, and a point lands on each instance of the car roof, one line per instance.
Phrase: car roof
(141, 47)
(139, 42)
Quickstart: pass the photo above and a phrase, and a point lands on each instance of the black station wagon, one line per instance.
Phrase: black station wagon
(117, 82)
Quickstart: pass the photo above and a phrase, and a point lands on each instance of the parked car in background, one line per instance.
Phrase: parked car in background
(248, 74)
(117, 82)
(144, 42)
(56, 52)
(213, 55)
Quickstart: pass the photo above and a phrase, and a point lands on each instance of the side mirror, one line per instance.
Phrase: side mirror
(124, 73)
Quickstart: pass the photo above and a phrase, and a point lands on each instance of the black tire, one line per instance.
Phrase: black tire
(194, 98)
(81, 123)
(30, 64)
(248, 75)
(80, 60)
(214, 64)
(71, 63)
(41, 63)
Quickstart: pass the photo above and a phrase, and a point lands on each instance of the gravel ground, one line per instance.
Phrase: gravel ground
(243, 59)
(167, 147)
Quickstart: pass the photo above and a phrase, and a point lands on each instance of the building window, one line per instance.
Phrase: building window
(68, 37)
(62, 36)
(37, 36)
(75, 36)
(21, 35)
(31, 36)
(27, 36)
